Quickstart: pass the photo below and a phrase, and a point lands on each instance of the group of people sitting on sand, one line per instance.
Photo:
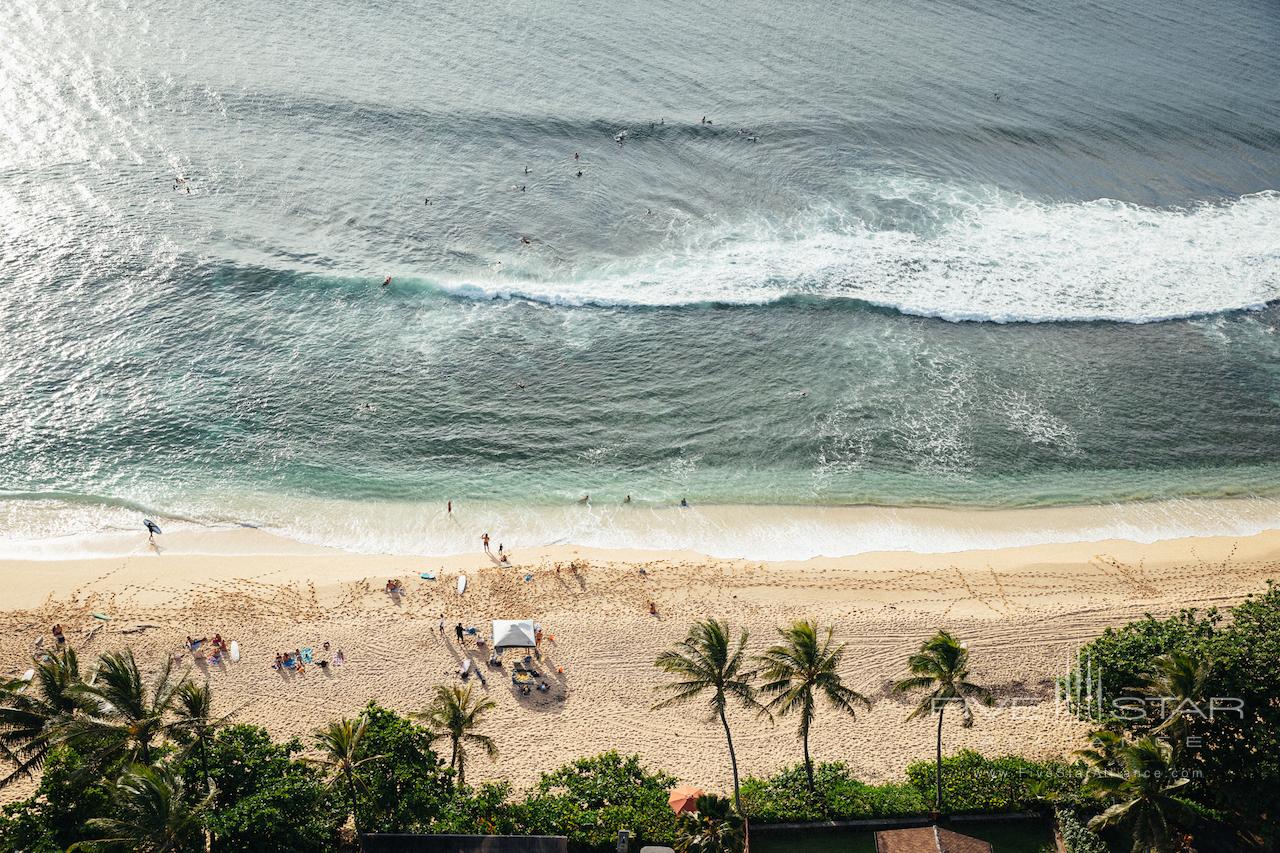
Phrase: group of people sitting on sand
(218, 648)
(298, 660)
(395, 586)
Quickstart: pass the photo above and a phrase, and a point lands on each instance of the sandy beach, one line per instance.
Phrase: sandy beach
(1022, 610)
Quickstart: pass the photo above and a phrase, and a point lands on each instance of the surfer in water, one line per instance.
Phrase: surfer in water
(386, 281)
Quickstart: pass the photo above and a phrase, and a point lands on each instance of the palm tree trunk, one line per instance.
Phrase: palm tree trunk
(808, 763)
(351, 786)
(737, 794)
(208, 787)
(204, 766)
(733, 761)
(937, 774)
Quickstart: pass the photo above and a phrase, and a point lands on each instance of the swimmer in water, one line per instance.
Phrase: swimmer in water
(525, 240)
(386, 281)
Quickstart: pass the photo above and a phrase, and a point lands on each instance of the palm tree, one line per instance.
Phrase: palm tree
(124, 717)
(942, 668)
(30, 718)
(707, 661)
(1103, 753)
(194, 724)
(455, 713)
(154, 814)
(800, 668)
(716, 827)
(1146, 785)
(1177, 678)
(342, 754)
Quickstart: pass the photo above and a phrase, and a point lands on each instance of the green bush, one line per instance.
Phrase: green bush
(267, 800)
(785, 797)
(973, 783)
(592, 798)
(1120, 657)
(55, 817)
(1077, 837)
(1232, 759)
(409, 788)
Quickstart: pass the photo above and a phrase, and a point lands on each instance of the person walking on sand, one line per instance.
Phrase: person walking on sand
(457, 629)
(485, 540)
(442, 626)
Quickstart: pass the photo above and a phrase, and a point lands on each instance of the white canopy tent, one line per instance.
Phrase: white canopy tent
(514, 634)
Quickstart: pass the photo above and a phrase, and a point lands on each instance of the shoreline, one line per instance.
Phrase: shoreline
(721, 531)
(1023, 610)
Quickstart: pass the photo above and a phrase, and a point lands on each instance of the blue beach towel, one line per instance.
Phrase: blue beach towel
(306, 655)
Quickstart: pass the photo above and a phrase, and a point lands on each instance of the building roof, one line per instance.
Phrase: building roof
(928, 839)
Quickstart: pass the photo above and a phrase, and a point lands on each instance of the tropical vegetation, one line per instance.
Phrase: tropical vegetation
(119, 754)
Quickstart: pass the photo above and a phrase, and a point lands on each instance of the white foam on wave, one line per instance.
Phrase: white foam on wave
(729, 531)
(973, 255)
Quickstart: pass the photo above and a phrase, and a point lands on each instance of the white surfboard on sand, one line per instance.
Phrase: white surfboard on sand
(235, 652)
(462, 584)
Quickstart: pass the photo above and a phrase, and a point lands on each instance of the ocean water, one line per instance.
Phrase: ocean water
(922, 254)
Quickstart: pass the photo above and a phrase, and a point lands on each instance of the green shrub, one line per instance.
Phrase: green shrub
(592, 798)
(973, 783)
(267, 800)
(1232, 759)
(837, 795)
(55, 817)
(409, 788)
(1078, 837)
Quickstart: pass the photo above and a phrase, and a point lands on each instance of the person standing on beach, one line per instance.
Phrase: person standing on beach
(485, 540)
(449, 507)
(457, 629)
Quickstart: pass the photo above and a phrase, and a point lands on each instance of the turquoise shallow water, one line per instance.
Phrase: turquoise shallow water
(869, 280)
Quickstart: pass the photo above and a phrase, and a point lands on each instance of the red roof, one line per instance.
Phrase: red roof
(928, 839)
